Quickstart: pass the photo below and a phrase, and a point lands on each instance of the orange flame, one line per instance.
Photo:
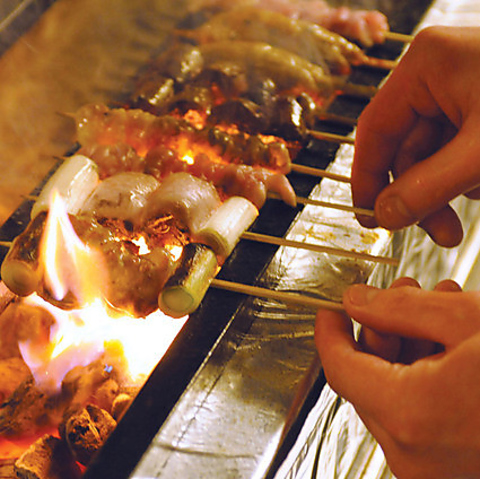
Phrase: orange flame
(83, 335)
(69, 264)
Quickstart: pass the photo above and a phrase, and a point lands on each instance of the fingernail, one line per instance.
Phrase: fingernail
(361, 295)
(392, 213)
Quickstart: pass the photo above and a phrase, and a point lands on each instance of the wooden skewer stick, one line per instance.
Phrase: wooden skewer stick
(318, 248)
(6, 244)
(333, 137)
(399, 37)
(334, 118)
(309, 170)
(379, 63)
(286, 297)
(326, 204)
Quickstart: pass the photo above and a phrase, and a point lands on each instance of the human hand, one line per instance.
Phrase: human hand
(423, 128)
(421, 403)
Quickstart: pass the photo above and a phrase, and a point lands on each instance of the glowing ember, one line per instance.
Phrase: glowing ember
(141, 242)
(94, 330)
(188, 158)
(175, 251)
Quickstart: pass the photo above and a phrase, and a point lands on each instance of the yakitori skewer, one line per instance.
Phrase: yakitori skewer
(398, 37)
(326, 204)
(286, 297)
(333, 137)
(318, 248)
(326, 116)
(379, 63)
(318, 172)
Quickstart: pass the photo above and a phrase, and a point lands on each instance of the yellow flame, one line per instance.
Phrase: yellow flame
(69, 264)
(83, 335)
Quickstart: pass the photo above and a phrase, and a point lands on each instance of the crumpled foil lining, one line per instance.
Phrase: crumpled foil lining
(232, 416)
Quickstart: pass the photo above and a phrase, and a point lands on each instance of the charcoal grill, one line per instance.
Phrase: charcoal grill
(230, 394)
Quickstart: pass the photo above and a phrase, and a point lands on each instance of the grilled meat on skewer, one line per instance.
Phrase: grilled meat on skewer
(364, 26)
(99, 125)
(306, 39)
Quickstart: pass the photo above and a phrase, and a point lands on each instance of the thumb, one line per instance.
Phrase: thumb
(429, 185)
(443, 317)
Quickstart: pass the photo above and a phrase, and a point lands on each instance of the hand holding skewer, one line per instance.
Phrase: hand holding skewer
(415, 364)
(422, 128)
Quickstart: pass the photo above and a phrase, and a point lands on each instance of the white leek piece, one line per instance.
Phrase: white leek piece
(184, 291)
(74, 180)
(226, 225)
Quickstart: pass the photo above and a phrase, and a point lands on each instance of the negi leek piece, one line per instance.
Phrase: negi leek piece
(74, 180)
(185, 290)
(21, 270)
(227, 223)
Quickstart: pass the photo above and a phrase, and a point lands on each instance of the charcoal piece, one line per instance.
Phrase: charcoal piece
(47, 458)
(86, 430)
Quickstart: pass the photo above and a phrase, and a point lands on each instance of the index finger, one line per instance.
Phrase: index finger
(358, 377)
(382, 127)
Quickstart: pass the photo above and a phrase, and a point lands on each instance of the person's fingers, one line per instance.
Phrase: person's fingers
(384, 345)
(353, 374)
(442, 317)
(444, 227)
(420, 92)
(385, 124)
(448, 285)
(473, 194)
(431, 184)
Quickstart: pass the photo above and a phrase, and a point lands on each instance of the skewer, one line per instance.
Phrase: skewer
(333, 137)
(318, 248)
(6, 244)
(289, 298)
(318, 172)
(380, 63)
(325, 204)
(334, 118)
(398, 37)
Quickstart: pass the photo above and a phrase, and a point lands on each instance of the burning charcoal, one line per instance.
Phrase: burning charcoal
(23, 410)
(86, 430)
(81, 382)
(120, 404)
(105, 395)
(13, 371)
(47, 458)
